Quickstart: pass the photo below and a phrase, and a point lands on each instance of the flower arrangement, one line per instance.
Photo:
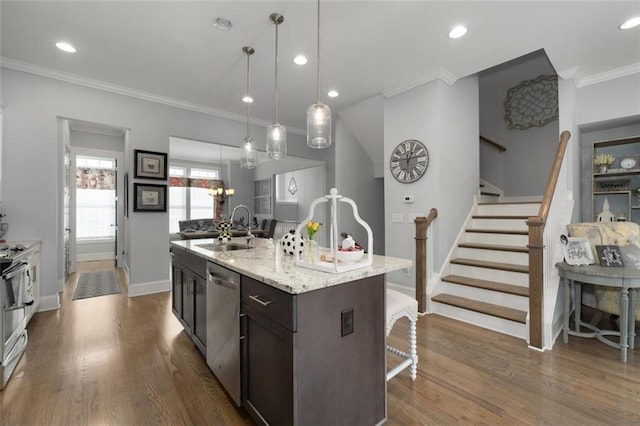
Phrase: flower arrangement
(603, 159)
(312, 228)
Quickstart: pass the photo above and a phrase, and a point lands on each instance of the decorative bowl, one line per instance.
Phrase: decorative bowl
(352, 256)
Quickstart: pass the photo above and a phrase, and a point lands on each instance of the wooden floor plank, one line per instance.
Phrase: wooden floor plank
(127, 361)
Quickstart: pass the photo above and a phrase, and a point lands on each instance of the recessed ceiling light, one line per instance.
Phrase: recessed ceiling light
(333, 93)
(63, 45)
(458, 31)
(222, 23)
(300, 60)
(247, 99)
(633, 22)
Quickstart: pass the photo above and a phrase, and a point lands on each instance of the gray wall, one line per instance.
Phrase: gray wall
(445, 119)
(524, 168)
(32, 201)
(362, 187)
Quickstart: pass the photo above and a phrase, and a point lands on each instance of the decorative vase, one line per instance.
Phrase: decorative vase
(602, 168)
(312, 252)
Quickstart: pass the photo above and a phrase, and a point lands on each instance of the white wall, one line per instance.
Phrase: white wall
(355, 179)
(523, 169)
(33, 162)
(609, 100)
(444, 118)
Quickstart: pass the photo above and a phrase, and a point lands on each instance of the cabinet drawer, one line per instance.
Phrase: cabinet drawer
(274, 304)
(190, 261)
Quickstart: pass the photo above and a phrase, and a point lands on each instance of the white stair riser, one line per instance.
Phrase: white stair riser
(499, 239)
(488, 296)
(509, 224)
(499, 325)
(509, 209)
(494, 256)
(498, 275)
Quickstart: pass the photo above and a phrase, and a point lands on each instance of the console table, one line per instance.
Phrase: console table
(626, 280)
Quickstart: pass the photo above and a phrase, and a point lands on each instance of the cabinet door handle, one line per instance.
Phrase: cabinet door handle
(256, 298)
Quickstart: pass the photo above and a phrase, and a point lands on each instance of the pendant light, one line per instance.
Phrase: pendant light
(276, 133)
(248, 154)
(318, 114)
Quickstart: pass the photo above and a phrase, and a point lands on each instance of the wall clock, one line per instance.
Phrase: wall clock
(409, 161)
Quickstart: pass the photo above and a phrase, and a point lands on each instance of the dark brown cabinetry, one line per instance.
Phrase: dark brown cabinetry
(190, 295)
(316, 357)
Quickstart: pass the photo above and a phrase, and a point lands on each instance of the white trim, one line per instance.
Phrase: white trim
(134, 93)
(401, 289)
(49, 303)
(608, 75)
(447, 76)
(444, 75)
(143, 289)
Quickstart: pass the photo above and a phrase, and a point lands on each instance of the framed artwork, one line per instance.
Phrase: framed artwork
(150, 165)
(609, 256)
(149, 197)
(576, 250)
(126, 194)
(532, 103)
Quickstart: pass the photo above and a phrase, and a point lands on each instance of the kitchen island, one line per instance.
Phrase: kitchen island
(311, 345)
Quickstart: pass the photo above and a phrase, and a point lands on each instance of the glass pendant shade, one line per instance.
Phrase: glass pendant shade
(319, 126)
(248, 155)
(276, 141)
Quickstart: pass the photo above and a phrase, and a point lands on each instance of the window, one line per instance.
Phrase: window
(95, 198)
(190, 202)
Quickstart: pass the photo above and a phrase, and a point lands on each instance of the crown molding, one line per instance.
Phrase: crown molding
(608, 75)
(444, 75)
(51, 73)
(447, 76)
(568, 73)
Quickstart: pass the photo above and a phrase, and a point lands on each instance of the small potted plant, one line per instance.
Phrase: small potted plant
(603, 161)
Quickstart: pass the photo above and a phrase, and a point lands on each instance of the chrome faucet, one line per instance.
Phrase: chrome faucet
(250, 236)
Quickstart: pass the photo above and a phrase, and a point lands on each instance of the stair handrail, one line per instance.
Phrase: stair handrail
(536, 226)
(422, 226)
(495, 144)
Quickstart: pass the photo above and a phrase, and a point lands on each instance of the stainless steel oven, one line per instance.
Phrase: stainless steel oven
(14, 297)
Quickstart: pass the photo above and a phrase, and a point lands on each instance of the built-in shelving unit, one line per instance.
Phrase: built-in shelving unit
(618, 185)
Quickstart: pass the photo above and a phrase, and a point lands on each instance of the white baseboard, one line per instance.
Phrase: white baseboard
(409, 291)
(143, 289)
(49, 303)
(88, 257)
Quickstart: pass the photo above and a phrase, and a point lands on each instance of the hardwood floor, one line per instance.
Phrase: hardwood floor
(127, 361)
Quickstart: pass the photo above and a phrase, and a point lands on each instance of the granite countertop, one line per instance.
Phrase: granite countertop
(271, 266)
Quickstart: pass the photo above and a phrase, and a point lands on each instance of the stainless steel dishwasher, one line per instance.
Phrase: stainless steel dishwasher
(223, 327)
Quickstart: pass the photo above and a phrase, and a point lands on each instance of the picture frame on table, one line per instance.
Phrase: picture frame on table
(576, 250)
(150, 165)
(610, 255)
(149, 197)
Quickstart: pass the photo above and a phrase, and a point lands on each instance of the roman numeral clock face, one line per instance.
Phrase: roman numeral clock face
(409, 161)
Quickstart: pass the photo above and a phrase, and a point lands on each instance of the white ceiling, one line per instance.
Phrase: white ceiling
(171, 49)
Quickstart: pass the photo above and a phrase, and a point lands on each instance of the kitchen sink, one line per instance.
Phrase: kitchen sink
(223, 247)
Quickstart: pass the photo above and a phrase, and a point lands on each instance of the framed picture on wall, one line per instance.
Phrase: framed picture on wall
(149, 197)
(126, 194)
(150, 165)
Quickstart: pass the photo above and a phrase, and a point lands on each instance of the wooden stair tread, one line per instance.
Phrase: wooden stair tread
(491, 265)
(508, 203)
(517, 249)
(497, 216)
(498, 231)
(488, 285)
(482, 307)
(492, 194)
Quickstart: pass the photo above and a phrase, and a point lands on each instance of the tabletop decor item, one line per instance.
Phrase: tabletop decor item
(576, 250)
(329, 261)
(609, 255)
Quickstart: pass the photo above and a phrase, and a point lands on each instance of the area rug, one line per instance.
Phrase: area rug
(94, 284)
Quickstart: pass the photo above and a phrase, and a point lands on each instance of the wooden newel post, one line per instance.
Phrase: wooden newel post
(422, 225)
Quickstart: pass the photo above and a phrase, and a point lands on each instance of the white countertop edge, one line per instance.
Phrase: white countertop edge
(268, 265)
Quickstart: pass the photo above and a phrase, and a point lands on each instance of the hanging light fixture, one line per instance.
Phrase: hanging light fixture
(276, 133)
(248, 154)
(318, 114)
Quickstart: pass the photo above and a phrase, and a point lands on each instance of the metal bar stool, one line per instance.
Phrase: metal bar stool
(400, 305)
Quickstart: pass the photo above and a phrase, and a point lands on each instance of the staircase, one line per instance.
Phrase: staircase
(486, 281)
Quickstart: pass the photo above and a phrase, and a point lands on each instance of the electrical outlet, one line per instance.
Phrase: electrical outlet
(346, 317)
(397, 217)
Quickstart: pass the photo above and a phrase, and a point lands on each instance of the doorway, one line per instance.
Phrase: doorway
(94, 228)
